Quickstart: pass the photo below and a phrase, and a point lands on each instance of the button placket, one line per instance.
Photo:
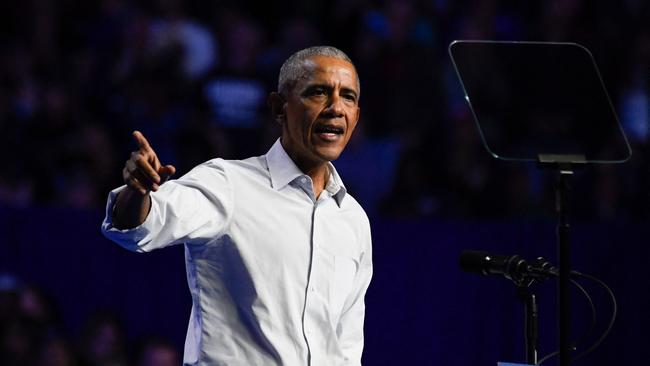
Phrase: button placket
(311, 288)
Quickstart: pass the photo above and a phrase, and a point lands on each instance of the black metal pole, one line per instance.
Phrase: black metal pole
(564, 254)
(530, 328)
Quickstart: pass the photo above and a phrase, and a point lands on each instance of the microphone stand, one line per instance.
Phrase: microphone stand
(530, 323)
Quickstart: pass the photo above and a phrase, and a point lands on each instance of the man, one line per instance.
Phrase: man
(278, 255)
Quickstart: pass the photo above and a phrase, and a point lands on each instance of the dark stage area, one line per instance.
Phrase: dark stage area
(421, 309)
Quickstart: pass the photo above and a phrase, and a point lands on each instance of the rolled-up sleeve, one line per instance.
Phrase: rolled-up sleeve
(182, 211)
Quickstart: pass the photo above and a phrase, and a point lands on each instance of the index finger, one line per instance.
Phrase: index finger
(141, 140)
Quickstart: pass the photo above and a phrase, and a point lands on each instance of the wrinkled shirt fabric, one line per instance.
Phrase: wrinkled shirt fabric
(277, 276)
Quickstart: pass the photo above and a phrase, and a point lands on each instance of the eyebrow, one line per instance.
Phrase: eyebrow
(329, 87)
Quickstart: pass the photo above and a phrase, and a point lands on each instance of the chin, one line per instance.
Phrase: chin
(329, 154)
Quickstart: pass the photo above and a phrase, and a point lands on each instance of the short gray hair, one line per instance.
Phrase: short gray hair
(293, 68)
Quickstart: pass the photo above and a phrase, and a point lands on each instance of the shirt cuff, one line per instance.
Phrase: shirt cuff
(127, 238)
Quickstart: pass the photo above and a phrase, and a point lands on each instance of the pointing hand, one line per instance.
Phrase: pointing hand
(143, 172)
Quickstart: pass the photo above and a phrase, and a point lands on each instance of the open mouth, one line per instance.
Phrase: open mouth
(328, 129)
(328, 132)
(323, 129)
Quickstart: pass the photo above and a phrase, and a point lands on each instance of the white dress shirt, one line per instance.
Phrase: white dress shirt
(277, 276)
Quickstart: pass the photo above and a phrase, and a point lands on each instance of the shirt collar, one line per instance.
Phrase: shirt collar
(284, 171)
(335, 185)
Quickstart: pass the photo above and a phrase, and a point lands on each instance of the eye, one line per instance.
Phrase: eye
(350, 97)
(316, 92)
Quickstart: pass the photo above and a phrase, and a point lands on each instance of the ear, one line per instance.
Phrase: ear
(277, 104)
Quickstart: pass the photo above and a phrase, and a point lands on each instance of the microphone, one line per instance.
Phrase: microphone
(512, 267)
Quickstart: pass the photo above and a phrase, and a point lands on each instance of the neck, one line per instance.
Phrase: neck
(319, 173)
(317, 170)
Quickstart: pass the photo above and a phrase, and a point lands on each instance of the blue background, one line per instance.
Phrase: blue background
(421, 309)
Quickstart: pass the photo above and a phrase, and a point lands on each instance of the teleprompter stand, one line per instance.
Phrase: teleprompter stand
(542, 103)
(564, 165)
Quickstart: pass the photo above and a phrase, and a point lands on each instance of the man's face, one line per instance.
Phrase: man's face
(322, 109)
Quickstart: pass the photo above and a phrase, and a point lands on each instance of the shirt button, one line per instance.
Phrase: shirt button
(303, 180)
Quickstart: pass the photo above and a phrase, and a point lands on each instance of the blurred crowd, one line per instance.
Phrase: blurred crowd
(78, 77)
(33, 333)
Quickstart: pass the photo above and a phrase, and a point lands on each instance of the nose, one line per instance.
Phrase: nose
(335, 107)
